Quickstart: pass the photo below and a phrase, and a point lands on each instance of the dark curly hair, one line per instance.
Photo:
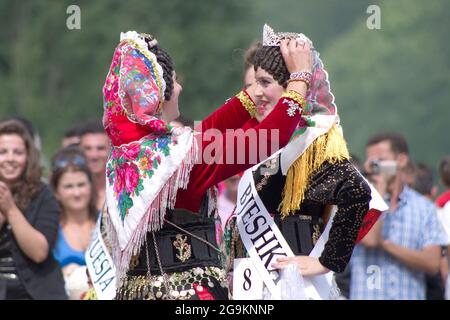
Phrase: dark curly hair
(271, 61)
(166, 63)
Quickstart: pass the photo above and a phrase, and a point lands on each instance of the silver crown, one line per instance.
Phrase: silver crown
(272, 38)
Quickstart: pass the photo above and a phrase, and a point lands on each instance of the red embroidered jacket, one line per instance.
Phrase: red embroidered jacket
(233, 115)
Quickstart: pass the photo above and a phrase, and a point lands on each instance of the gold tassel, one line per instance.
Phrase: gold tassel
(330, 147)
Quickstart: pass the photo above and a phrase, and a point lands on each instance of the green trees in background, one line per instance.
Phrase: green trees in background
(54, 75)
(396, 78)
(393, 78)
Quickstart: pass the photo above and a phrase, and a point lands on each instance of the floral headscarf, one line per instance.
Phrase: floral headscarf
(135, 84)
(150, 160)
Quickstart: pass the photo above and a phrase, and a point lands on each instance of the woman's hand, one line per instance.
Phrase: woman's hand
(7, 202)
(31, 241)
(308, 266)
(296, 54)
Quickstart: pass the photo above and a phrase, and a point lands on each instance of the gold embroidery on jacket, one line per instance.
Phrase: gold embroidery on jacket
(316, 234)
(184, 248)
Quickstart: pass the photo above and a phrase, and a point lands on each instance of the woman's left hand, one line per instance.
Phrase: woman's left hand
(6, 199)
(308, 266)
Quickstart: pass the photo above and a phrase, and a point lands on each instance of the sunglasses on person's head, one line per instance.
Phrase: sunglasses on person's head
(63, 162)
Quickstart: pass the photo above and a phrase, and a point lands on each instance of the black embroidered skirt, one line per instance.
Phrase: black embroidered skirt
(181, 261)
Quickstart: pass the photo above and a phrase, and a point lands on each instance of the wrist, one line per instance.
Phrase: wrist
(386, 245)
(299, 86)
(12, 213)
(299, 80)
(303, 76)
(323, 264)
(322, 268)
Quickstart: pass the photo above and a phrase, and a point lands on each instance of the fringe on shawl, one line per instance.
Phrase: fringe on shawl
(154, 217)
(330, 147)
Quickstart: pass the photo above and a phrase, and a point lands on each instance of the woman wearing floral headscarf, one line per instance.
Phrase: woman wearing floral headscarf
(159, 188)
(299, 185)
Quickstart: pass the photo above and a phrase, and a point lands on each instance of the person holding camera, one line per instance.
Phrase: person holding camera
(393, 258)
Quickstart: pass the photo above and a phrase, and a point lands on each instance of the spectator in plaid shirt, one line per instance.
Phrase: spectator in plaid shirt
(393, 258)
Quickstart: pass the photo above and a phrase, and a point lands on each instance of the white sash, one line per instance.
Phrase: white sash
(101, 266)
(265, 243)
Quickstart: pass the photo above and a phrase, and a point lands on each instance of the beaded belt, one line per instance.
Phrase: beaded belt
(180, 285)
(176, 262)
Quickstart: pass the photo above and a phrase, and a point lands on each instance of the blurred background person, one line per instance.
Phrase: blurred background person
(421, 179)
(443, 200)
(226, 201)
(72, 183)
(182, 121)
(250, 81)
(95, 144)
(393, 258)
(28, 221)
(443, 205)
(249, 68)
(71, 136)
(227, 198)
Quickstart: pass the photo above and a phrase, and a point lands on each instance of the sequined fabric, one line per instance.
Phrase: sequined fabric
(334, 184)
(342, 185)
(187, 285)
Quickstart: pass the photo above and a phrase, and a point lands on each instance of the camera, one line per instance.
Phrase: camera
(384, 167)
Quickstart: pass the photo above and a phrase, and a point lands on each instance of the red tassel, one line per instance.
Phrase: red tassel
(202, 292)
(369, 220)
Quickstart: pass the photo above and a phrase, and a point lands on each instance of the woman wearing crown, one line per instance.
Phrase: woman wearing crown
(302, 184)
(160, 198)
